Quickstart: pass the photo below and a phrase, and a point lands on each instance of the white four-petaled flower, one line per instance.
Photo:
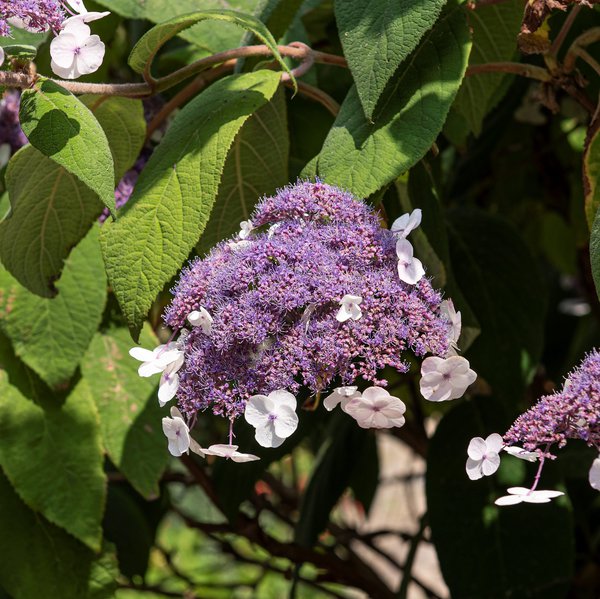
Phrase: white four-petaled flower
(273, 416)
(523, 495)
(443, 379)
(178, 435)
(454, 318)
(201, 318)
(483, 455)
(229, 452)
(376, 408)
(406, 223)
(522, 454)
(246, 228)
(341, 395)
(75, 51)
(155, 361)
(410, 269)
(349, 308)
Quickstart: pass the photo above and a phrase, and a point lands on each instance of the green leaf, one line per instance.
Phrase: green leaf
(500, 280)
(591, 173)
(51, 335)
(51, 212)
(595, 251)
(495, 28)
(22, 37)
(122, 120)
(62, 128)
(52, 455)
(21, 51)
(130, 417)
(524, 551)
(378, 36)
(257, 164)
(143, 53)
(331, 475)
(363, 156)
(175, 193)
(41, 560)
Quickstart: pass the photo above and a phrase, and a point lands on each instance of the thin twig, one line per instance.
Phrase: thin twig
(585, 39)
(407, 576)
(516, 68)
(314, 93)
(564, 30)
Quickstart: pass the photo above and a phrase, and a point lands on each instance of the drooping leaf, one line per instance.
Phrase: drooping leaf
(257, 165)
(500, 280)
(52, 455)
(495, 28)
(41, 560)
(378, 36)
(362, 155)
(595, 251)
(51, 335)
(130, 417)
(143, 53)
(51, 212)
(62, 128)
(331, 475)
(484, 550)
(122, 120)
(176, 191)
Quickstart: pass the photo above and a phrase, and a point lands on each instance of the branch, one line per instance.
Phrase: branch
(566, 27)
(585, 39)
(516, 68)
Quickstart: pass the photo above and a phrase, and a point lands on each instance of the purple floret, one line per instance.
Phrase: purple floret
(274, 299)
(38, 15)
(571, 413)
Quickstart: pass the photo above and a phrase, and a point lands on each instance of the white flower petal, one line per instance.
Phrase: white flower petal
(167, 389)
(142, 354)
(490, 464)
(91, 55)
(477, 448)
(281, 397)
(266, 437)
(201, 318)
(494, 442)
(509, 500)
(63, 48)
(177, 433)
(2, 56)
(473, 469)
(286, 422)
(407, 223)
(522, 454)
(257, 411)
(594, 475)
(349, 308)
(195, 448)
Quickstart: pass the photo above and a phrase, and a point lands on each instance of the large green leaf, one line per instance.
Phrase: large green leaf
(500, 280)
(52, 455)
(51, 212)
(487, 551)
(62, 128)
(377, 36)
(595, 251)
(130, 417)
(257, 165)
(51, 335)
(175, 193)
(143, 53)
(495, 28)
(591, 173)
(124, 125)
(363, 155)
(41, 560)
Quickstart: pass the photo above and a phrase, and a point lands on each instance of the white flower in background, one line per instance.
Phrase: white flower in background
(273, 416)
(75, 51)
(523, 495)
(443, 379)
(455, 319)
(83, 13)
(5, 152)
(201, 318)
(410, 269)
(406, 223)
(245, 229)
(229, 452)
(522, 454)
(341, 395)
(349, 308)
(177, 433)
(594, 475)
(155, 361)
(376, 408)
(2, 56)
(483, 455)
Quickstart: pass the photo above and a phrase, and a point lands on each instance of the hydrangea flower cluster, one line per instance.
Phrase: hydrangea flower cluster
(74, 50)
(312, 293)
(573, 412)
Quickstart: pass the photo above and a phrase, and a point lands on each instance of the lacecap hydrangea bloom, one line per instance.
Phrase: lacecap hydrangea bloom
(573, 412)
(311, 295)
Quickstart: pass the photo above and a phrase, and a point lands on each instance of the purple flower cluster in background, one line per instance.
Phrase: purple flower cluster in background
(274, 293)
(571, 413)
(38, 15)
(10, 128)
